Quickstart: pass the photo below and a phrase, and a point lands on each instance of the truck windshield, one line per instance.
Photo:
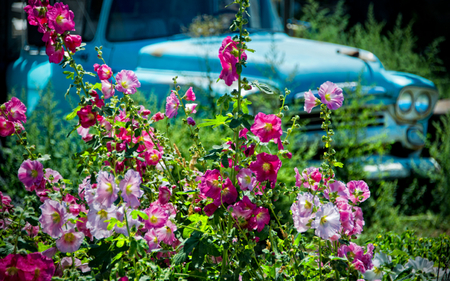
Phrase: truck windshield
(143, 19)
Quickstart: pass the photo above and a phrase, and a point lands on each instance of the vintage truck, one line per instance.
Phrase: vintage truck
(161, 39)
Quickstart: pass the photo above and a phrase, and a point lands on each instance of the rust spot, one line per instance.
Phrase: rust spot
(157, 53)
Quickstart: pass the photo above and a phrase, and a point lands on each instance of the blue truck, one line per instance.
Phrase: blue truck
(162, 39)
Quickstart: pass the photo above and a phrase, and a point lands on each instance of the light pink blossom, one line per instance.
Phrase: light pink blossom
(327, 221)
(127, 82)
(53, 217)
(70, 241)
(190, 108)
(31, 172)
(107, 189)
(107, 89)
(172, 104)
(331, 95)
(310, 101)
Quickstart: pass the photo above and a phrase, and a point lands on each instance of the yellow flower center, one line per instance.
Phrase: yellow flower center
(34, 173)
(109, 189)
(323, 220)
(258, 216)
(56, 218)
(376, 270)
(154, 157)
(69, 237)
(168, 229)
(37, 273)
(128, 189)
(124, 84)
(266, 167)
(103, 214)
(328, 96)
(12, 271)
(268, 126)
(155, 240)
(153, 219)
(215, 183)
(91, 116)
(59, 19)
(308, 204)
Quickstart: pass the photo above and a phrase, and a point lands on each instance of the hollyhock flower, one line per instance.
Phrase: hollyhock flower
(97, 216)
(245, 179)
(376, 272)
(266, 167)
(131, 190)
(166, 233)
(327, 221)
(104, 72)
(31, 172)
(16, 110)
(266, 127)
(347, 217)
(310, 101)
(82, 226)
(358, 221)
(164, 195)
(190, 108)
(53, 217)
(152, 157)
(107, 189)
(37, 14)
(250, 150)
(107, 89)
(336, 188)
(230, 46)
(243, 133)
(55, 55)
(229, 73)
(60, 18)
(6, 127)
(359, 265)
(127, 82)
(359, 191)
(209, 184)
(190, 95)
(6, 205)
(261, 218)
(72, 42)
(52, 176)
(152, 240)
(158, 116)
(157, 217)
(9, 268)
(32, 231)
(172, 104)
(331, 95)
(84, 133)
(305, 177)
(87, 117)
(190, 121)
(228, 194)
(243, 208)
(302, 210)
(37, 267)
(50, 252)
(97, 100)
(210, 209)
(70, 241)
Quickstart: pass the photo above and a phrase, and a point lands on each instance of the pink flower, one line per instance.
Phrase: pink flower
(72, 42)
(131, 188)
(31, 172)
(97, 216)
(266, 167)
(84, 133)
(16, 110)
(267, 127)
(166, 233)
(152, 240)
(327, 221)
(331, 95)
(60, 18)
(36, 267)
(243, 133)
(10, 269)
(172, 104)
(37, 14)
(55, 55)
(6, 127)
(209, 184)
(53, 217)
(127, 82)
(104, 72)
(107, 89)
(261, 218)
(70, 241)
(359, 191)
(157, 217)
(228, 194)
(246, 180)
(87, 117)
(32, 231)
(190, 121)
(82, 226)
(106, 189)
(250, 150)
(359, 265)
(152, 157)
(164, 195)
(158, 116)
(210, 209)
(302, 210)
(310, 101)
(336, 188)
(190, 108)
(97, 100)
(243, 208)
(52, 176)
(190, 95)
(305, 178)
(228, 73)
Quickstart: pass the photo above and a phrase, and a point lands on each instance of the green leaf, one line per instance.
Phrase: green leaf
(219, 120)
(97, 86)
(143, 215)
(224, 101)
(133, 247)
(235, 123)
(339, 164)
(72, 115)
(42, 247)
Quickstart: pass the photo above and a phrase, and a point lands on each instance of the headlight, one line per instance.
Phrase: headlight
(405, 101)
(422, 103)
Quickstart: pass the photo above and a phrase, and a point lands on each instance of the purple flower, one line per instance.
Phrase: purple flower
(172, 104)
(327, 222)
(190, 121)
(53, 217)
(97, 216)
(106, 189)
(302, 210)
(127, 82)
(131, 190)
(336, 188)
(310, 101)
(331, 95)
(246, 180)
(70, 241)
(261, 218)
(31, 172)
(359, 191)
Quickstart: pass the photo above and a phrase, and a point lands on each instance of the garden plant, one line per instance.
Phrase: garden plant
(141, 209)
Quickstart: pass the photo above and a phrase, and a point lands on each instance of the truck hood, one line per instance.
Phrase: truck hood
(299, 64)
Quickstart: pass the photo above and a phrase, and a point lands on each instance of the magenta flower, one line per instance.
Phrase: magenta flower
(157, 217)
(243, 208)
(72, 42)
(228, 194)
(172, 104)
(158, 116)
(210, 209)
(6, 127)
(190, 121)
(331, 95)
(190, 95)
(261, 218)
(107, 189)
(60, 18)
(266, 167)
(164, 195)
(152, 240)
(131, 188)
(152, 157)
(246, 180)
(107, 89)
(166, 233)
(16, 110)
(209, 184)
(243, 133)
(70, 241)
(327, 221)
(359, 191)
(309, 178)
(104, 72)
(266, 127)
(87, 117)
(53, 217)
(228, 73)
(97, 216)
(36, 267)
(310, 101)
(31, 172)
(190, 108)
(54, 55)
(302, 210)
(337, 188)
(127, 82)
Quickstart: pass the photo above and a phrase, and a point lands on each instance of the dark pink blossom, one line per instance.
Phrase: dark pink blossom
(261, 218)
(87, 117)
(210, 184)
(172, 104)
(228, 56)
(104, 72)
(16, 111)
(266, 167)
(158, 116)
(190, 95)
(7, 128)
(359, 191)
(55, 55)
(31, 172)
(127, 82)
(267, 127)
(250, 150)
(228, 194)
(331, 95)
(190, 121)
(72, 42)
(210, 209)
(152, 157)
(37, 13)
(36, 267)
(164, 195)
(243, 133)
(60, 18)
